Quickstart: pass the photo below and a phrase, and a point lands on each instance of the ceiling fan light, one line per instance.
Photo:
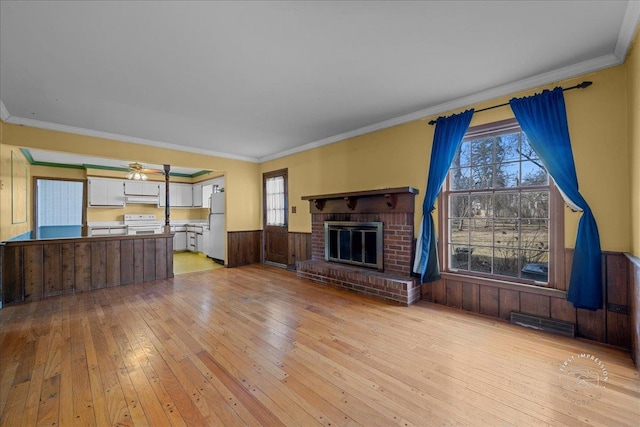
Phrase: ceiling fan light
(143, 176)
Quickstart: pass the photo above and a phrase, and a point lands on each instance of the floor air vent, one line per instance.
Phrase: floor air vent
(559, 327)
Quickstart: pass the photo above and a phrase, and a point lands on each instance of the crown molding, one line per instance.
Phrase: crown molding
(550, 77)
(627, 29)
(117, 137)
(4, 113)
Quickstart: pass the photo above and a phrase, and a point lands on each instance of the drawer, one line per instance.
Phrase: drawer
(99, 232)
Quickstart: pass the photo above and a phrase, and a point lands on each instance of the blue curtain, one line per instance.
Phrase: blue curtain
(446, 140)
(543, 119)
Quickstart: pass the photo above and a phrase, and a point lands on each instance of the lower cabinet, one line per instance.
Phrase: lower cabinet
(192, 242)
(188, 238)
(180, 241)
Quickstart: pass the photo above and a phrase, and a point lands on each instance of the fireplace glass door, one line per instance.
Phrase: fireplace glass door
(357, 243)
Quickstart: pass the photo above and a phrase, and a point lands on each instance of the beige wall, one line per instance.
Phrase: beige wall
(242, 180)
(633, 74)
(399, 156)
(15, 192)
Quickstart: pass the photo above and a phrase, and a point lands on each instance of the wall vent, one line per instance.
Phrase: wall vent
(553, 326)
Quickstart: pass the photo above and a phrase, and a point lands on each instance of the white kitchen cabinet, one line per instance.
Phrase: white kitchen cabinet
(180, 195)
(207, 189)
(199, 242)
(180, 241)
(197, 196)
(141, 188)
(105, 230)
(194, 238)
(105, 192)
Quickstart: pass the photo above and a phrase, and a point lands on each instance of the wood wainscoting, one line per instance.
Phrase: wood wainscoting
(299, 248)
(35, 269)
(244, 247)
(498, 299)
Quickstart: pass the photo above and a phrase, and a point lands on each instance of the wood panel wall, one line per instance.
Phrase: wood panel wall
(634, 308)
(299, 248)
(244, 247)
(610, 325)
(36, 269)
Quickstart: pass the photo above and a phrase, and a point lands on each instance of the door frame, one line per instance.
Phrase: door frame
(271, 174)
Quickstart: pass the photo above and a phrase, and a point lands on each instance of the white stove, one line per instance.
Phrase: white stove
(143, 224)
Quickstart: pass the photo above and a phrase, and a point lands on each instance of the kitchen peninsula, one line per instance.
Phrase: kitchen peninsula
(35, 269)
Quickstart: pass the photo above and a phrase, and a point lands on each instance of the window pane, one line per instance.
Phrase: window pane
(481, 205)
(459, 179)
(459, 231)
(535, 234)
(507, 147)
(533, 173)
(459, 206)
(535, 265)
(506, 205)
(506, 233)
(481, 259)
(482, 177)
(275, 200)
(482, 151)
(507, 175)
(481, 232)
(535, 204)
(505, 262)
(460, 256)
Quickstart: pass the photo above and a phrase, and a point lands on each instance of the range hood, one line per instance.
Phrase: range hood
(142, 200)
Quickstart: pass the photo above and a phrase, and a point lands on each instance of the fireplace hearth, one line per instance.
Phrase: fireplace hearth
(363, 241)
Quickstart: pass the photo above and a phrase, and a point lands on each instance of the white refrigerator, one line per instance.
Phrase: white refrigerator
(216, 226)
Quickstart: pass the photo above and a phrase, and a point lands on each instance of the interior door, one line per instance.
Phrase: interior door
(275, 218)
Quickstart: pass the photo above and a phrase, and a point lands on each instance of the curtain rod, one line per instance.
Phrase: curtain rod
(582, 85)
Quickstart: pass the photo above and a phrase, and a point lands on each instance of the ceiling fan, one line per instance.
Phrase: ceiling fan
(138, 173)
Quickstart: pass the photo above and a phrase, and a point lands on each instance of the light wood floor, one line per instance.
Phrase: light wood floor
(255, 346)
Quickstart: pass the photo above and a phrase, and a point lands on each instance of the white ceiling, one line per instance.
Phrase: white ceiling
(257, 80)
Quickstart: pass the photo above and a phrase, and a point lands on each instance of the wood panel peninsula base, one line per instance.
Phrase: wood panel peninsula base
(36, 269)
(394, 207)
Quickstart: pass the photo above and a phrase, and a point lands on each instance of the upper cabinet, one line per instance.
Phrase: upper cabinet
(112, 192)
(180, 195)
(141, 188)
(197, 196)
(104, 192)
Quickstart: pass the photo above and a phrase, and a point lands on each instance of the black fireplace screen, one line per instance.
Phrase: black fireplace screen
(357, 243)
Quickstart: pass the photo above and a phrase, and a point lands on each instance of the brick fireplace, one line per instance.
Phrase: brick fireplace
(394, 208)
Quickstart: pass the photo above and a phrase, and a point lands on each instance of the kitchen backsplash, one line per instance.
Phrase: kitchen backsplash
(116, 214)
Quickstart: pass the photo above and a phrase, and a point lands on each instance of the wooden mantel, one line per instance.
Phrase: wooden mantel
(399, 199)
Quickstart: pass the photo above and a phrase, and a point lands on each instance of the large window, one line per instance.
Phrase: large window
(497, 207)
